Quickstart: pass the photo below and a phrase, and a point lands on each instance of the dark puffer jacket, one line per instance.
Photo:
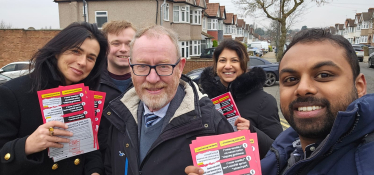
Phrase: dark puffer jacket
(348, 149)
(254, 104)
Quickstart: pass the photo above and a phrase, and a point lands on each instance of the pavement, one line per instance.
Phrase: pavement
(274, 90)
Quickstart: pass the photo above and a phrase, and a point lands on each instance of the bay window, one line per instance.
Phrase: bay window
(195, 16)
(181, 14)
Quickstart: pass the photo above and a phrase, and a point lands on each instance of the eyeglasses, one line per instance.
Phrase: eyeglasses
(145, 69)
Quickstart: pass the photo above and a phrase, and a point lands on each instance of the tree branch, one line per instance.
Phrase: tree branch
(265, 10)
(294, 7)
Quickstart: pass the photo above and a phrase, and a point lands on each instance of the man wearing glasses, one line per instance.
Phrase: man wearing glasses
(154, 122)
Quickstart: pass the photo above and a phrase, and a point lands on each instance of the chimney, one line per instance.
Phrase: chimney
(371, 10)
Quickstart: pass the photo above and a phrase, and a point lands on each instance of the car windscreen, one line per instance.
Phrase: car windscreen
(10, 67)
(208, 51)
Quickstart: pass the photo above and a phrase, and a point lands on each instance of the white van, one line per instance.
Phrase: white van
(263, 45)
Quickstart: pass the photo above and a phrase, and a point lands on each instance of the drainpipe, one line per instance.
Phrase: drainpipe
(162, 12)
(156, 11)
(84, 10)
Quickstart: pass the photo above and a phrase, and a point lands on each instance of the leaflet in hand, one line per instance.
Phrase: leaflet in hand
(225, 104)
(80, 109)
(227, 154)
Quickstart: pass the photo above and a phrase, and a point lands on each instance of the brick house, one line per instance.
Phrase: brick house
(339, 29)
(229, 25)
(183, 16)
(349, 29)
(214, 27)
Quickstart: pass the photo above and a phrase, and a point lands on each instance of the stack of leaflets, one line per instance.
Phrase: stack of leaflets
(230, 154)
(81, 110)
(225, 105)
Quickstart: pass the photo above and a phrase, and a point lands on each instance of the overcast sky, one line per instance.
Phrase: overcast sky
(44, 13)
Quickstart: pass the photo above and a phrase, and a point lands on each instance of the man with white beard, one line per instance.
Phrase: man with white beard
(154, 121)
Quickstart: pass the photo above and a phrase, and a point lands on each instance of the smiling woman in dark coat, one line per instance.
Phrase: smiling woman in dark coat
(75, 55)
(228, 74)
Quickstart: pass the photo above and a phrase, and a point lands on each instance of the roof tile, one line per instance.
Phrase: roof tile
(228, 19)
(222, 8)
(212, 9)
(241, 23)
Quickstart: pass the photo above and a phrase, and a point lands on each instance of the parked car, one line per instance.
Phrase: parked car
(207, 53)
(359, 45)
(271, 70)
(195, 74)
(263, 45)
(4, 79)
(15, 69)
(371, 60)
(285, 46)
(359, 51)
(256, 51)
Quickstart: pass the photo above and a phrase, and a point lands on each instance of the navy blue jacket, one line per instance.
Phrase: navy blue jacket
(348, 149)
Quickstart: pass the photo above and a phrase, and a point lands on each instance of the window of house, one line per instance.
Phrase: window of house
(184, 48)
(365, 25)
(195, 48)
(195, 16)
(212, 24)
(101, 17)
(166, 12)
(220, 24)
(181, 14)
(204, 23)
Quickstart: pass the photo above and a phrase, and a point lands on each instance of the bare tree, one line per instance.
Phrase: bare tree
(286, 12)
(5, 26)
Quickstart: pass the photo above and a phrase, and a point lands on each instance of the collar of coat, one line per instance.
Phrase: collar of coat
(242, 86)
(351, 125)
(131, 100)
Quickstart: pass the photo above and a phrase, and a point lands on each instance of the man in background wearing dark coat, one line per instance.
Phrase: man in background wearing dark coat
(117, 77)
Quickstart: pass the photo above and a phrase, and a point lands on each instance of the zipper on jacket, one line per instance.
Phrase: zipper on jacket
(163, 140)
(330, 150)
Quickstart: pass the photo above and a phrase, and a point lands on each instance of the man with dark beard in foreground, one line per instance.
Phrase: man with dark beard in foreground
(322, 96)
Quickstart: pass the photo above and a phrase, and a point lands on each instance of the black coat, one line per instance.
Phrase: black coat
(20, 116)
(253, 103)
(106, 85)
(170, 153)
